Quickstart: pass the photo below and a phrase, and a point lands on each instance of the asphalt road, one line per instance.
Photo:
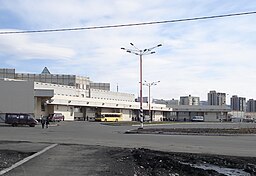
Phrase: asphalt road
(64, 160)
(91, 133)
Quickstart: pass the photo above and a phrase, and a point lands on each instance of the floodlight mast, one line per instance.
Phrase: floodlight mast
(141, 53)
(149, 84)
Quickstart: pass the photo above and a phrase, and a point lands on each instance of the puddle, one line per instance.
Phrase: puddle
(221, 170)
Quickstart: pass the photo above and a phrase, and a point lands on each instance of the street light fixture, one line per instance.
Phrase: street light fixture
(149, 84)
(141, 53)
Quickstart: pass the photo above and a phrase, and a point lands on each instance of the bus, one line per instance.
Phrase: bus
(109, 117)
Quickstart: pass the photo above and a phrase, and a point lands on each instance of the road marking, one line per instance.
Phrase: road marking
(2, 172)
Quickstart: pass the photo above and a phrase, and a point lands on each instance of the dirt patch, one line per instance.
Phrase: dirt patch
(144, 162)
(9, 157)
(193, 131)
(189, 164)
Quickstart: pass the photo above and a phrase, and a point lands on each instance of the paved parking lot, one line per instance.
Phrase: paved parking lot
(81, 150)
(91, 133)
(64, 160)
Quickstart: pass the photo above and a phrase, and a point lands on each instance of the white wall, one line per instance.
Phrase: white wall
(157, 116)
(127, 115)
(211, 117)
(16, 96)
(108, 95)
(183, 115)
(63, 90)
(67, 111)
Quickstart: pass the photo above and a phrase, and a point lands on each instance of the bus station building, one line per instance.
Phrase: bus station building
(78, 98)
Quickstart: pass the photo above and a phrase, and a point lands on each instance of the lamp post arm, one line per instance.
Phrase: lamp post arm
(149, 49)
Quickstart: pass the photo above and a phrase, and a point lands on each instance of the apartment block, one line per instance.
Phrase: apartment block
(216, 98)
(238, 103)
(251, 105)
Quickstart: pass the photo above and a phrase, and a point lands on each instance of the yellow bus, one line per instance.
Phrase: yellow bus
(109, 117)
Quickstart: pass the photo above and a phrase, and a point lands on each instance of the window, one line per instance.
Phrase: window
(13, 116)
(42, 106)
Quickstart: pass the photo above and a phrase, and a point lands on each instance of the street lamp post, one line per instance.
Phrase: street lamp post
(149, 84)
(141, 53)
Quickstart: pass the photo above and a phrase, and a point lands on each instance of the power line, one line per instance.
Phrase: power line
(128, 25)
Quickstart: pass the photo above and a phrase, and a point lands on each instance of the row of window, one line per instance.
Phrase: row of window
(55, 85)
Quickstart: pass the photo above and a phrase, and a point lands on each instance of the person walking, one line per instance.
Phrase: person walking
(43, 121)
(47, 122)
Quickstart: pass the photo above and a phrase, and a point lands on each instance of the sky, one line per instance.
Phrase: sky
(195, 56)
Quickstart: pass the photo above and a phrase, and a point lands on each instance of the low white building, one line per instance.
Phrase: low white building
(82, 102)
(42, 99)
(210, 113)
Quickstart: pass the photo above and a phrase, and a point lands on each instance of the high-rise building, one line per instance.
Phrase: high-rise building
(189, 100)
(216, 98)
(238, 103)
(251, 105)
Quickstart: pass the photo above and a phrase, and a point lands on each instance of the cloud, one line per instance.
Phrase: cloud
(196, 57)
(24, 48)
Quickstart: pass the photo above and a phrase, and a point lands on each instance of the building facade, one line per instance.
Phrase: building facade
(189, 100)
(238, 103)
(251, 109)
(251, 105)
(210, 113)
(216, 98)
(79, 82)
(40, 98)
(166, 102)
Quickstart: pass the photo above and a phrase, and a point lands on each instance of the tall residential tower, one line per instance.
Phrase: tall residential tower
(238, 103)
(216, 98)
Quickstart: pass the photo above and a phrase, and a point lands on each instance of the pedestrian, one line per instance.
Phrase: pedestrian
(41, 117)
(43, 122)
(47, 122)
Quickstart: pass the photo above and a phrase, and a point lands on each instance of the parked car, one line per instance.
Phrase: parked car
(16, 119)
(249, 120)
(56, 117)
(197, 119)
